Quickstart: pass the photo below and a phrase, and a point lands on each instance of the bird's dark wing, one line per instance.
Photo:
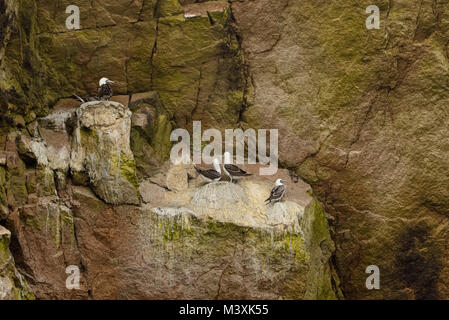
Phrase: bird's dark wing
(235, 171)
(105, 91)
(211, 173)
(276, 193)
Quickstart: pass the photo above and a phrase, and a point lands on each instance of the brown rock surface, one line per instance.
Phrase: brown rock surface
(45, 244)
(362, 116)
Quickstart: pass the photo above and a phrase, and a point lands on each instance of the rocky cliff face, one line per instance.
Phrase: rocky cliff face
(165, 236)
(365, 113)
(362, 119)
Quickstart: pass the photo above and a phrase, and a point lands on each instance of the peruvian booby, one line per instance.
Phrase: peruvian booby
(211, 174)
(277, 192)
(105, 91)
(232, 171)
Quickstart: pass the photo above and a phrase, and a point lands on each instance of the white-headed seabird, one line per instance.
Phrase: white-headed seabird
(277, 192)
(211, 174)
(105, 91)
(232, 171)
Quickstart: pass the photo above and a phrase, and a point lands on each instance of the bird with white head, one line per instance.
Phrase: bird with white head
(232, 171)
(105, 91)
(211, 174)
(278, 192)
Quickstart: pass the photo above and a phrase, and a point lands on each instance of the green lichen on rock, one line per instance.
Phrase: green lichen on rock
(295, 244)
(167, 8)
(80, 178)
(323, 281)
(174, 229)
(45, 181)
(122, 53)
(160, 138)
(196, 65)
(150, 133)
(264, 255)
(4, 248)
(12, 284)
(16, 186)
(320, 227)
(63, 226)
(127, 168)
(210, 219)
(104, 152)
(23, 90)
(3, 198)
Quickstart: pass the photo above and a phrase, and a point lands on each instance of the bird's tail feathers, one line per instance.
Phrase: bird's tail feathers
(79, 98)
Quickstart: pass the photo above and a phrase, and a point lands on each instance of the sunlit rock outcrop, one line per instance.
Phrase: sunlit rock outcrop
(102, 149)
(242, 248)
(77, 201)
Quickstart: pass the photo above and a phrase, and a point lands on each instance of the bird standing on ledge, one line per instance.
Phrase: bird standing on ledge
(105, 91)
(232, 171)
(211, 174)
(277, 193)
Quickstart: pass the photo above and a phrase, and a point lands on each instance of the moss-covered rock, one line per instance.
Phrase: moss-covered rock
(285, 248)
(150, 133)
(45, 182)
(360, 115)
(3, 199)
(13, 286)
(228, 261)
(167, 8)
(16, 185)
(198, 68)
(23, 88)
(321, 248)
(102, 149)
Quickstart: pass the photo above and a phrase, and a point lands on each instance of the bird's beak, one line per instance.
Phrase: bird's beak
(283, 181)
(110, 81)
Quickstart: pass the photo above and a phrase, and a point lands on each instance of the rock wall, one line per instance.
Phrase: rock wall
(74, 199)
(363, 119)
(361, 113)
(166, 250)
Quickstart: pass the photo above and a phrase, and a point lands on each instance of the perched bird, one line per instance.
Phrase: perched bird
(232, 171)
(105, 91)
(277, 192)
(211, 174)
